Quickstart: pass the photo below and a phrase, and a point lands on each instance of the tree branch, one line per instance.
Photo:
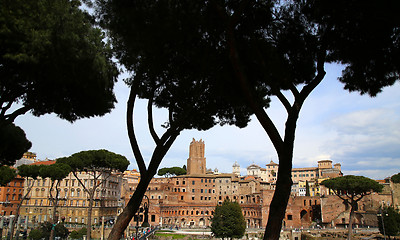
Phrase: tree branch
(150, 120)
(80, 181)
(259, 111)
(307, 89)
(283, 100)
(5, 108)
(131, 132)
(11, 117)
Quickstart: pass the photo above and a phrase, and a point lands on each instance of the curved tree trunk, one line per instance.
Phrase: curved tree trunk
(19, 208)
(14, 221)
(130, 210)
(281, 196)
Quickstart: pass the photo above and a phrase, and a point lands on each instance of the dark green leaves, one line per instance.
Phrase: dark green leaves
(353, 184)
(172, 171)
(228, 220)
(363, 35)
(96, 160)
(395, 178)
(13, 143)
(389, 221)
(57, 171)
(52, 59)
(7, 174)
(32, 171)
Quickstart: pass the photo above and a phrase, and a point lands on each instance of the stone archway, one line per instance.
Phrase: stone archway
(303, 215)
(183, 222)
(202, 222)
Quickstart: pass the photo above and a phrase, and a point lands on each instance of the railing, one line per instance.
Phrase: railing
(147, 234)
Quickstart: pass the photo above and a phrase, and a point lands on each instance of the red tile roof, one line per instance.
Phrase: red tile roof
(48, 162)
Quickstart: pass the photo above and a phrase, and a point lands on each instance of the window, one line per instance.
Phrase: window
(201, 190)
(182, 198)
(177, 182)
(193, 190)
(192, 182)
(193, 198)
(201, 180)
(289, 217)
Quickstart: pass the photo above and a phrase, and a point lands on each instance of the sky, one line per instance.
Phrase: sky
(359, 132)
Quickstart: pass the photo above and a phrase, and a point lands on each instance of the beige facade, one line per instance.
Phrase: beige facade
(73, 202)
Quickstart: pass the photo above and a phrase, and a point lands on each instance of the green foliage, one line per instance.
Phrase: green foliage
(161, 45)
(53, 60)
(57, 171)
(78, 234)
(95, 160)
(7, 174)
(13, 143)
(391, 221)
(228, 220)
(352, 185)
(32, 171)
(227, 50)
(60, 230)
(395, 178)
(170, 236)
(35, 234)
(172, 171)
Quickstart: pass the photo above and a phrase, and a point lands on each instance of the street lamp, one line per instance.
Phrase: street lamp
(383, 223)
(146, 213)
(145, 210)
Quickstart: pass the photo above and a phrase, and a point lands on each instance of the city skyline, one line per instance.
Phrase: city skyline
(359, 132)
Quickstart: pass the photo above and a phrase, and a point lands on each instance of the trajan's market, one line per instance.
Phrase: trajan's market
(188, 201)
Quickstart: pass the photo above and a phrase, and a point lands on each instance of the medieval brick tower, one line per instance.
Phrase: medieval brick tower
(196, 163)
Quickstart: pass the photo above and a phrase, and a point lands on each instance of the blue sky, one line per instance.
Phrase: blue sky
(359, 132)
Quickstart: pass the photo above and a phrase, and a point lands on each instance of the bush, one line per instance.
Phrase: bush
(78, 234)
(35, 234)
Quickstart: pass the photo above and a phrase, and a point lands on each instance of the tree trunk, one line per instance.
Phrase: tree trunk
(351, 222)
(15, 220)
(89, 219)
(54, 221)
(130, 210)
(281, 196)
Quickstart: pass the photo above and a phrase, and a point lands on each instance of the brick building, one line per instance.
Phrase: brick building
(10, 196)
(189, 200)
